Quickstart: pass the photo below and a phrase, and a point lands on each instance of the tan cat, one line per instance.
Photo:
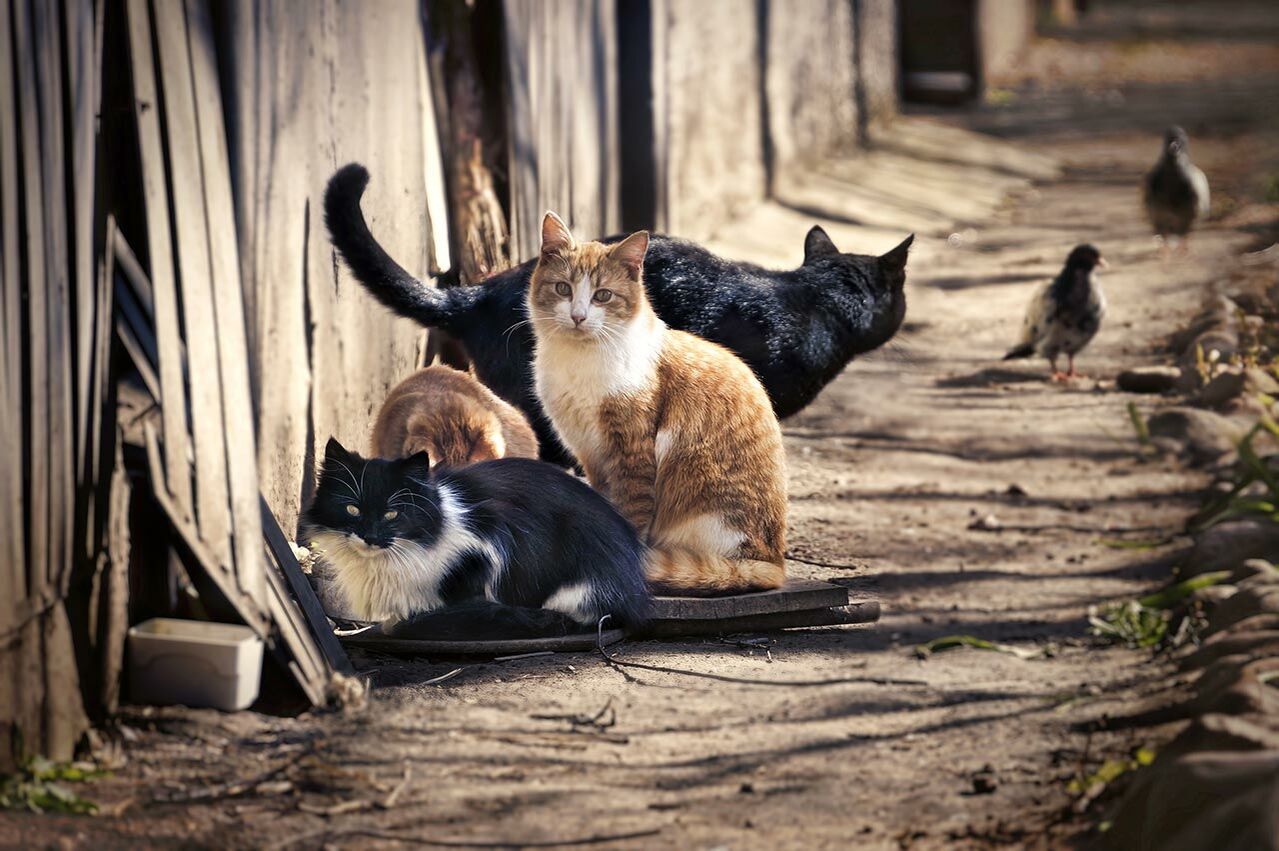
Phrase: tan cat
(451, 417)
(675, 430)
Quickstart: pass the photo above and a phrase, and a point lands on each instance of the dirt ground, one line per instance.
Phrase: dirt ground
(967, 496)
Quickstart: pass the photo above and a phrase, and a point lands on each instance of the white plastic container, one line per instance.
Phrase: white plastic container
(194, 663)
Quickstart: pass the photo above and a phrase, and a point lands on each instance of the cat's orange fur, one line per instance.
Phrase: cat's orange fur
(451, 417)
(676, 431)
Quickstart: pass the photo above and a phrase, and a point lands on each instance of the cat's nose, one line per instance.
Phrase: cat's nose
(578, 318)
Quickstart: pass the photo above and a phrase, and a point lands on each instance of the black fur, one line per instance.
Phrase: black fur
(552, 530)
(796, 329)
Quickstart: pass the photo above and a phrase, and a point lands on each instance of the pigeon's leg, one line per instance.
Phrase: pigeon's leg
(1057, 375)
(1072, 373)
(1165, 251)
(1183, 245)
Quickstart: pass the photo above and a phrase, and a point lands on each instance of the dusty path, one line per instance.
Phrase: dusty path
(889, 469)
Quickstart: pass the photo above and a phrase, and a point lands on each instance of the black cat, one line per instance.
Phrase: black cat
(503, 548)
(797, 330)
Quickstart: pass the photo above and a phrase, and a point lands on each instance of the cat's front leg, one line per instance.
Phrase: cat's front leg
(632, 485)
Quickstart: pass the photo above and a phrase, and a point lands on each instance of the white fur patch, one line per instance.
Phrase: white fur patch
(403, 579)
(574, 601)
(662, 445)
(704, 533)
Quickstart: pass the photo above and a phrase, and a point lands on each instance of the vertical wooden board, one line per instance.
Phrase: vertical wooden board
(83, 89)
(37, 412)
(191, 243)
(877, 59)
(224, 261)
(60, 424)
(810, 82)
(434, 185)
(12, 548)
(713, 158)
(156, 198)
(525, 217)
(306, 94)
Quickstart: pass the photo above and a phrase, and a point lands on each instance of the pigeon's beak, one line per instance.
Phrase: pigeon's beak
(1102, 264)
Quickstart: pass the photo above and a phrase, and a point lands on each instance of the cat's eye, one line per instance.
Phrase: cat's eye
(603, 296)
(391, 515)
(563, 289)
(353, 510)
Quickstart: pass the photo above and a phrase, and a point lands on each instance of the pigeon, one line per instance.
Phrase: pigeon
(1175, 191)
(1065, 313)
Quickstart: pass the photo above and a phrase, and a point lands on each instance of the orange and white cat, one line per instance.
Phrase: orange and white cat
(451, 417)
(675, 430)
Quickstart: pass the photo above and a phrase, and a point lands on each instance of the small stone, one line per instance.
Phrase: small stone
(1202, 436)
(1228, 545)
(1223, 388)
(1149, 379)
(1260, 381)
(989, 523)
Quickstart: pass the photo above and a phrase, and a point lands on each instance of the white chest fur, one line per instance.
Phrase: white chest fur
(574, 379)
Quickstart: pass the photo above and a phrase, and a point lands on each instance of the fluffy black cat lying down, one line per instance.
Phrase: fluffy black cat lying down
(797, 329)
(512, 548)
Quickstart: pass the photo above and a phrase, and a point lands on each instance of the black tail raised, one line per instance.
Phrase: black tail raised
(385, 279)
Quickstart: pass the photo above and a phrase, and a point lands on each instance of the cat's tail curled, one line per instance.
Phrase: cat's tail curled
(683, 571)
(385, 279)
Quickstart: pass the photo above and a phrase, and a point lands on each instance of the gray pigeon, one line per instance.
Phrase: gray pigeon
(1065, 313)
(1175, 191)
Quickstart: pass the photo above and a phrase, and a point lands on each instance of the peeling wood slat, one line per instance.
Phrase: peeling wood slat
(191, 244)
(228, 304)
(304, 593)
(156, 199)
(305, 661)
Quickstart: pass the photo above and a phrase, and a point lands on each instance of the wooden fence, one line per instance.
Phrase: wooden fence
(161, 242)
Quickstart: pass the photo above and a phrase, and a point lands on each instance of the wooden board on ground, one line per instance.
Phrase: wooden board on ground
(795, 595)
(374, 639)
(861, 611)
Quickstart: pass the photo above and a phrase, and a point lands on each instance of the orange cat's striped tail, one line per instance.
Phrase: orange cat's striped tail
(681, 571)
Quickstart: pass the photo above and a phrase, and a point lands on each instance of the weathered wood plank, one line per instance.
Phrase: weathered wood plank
(156, 198)
(228, 305)
(375, 639)
(36, 447)
(795, 595)
(863, 611)
(191, 244)
(83, 89)
(12, 548)
(304, 593)
(61, 367)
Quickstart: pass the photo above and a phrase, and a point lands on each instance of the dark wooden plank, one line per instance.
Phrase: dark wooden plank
(373, 639)
(864, 611)
(156, 199)
(304, 593)
(12, 548)
(307, 663)
(795, 595)
(37, 412)
(191, 244)
(228, 306)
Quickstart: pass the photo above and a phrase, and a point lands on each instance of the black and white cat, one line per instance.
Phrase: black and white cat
(488, 542)
(795, 329)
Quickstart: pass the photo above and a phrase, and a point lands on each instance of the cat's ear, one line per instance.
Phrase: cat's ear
(417, 466)
(335, 451)
(818, 244)
(629, 253)
(556, 237)
(895, 260)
